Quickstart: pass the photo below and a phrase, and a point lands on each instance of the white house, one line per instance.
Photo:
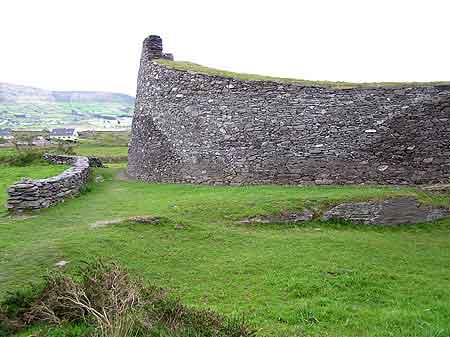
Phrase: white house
(64, 134)
(40, 141)
(6, 134)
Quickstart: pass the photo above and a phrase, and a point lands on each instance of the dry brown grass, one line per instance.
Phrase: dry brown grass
(105, 296)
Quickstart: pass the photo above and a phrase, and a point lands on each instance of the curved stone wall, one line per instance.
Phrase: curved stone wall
(198, 128)
(31, 195)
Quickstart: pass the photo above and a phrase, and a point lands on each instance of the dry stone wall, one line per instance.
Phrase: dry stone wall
(197, 128)
(31, 195)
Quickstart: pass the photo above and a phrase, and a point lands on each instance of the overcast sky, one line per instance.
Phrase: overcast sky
(96, 44)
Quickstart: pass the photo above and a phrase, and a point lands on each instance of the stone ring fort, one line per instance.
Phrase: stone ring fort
(203, 128)
(199, 128)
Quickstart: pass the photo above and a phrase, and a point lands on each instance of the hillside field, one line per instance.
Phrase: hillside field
(313, 279)
(28, 107)
(109, 146)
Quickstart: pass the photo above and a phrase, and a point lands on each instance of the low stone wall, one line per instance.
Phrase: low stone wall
(395, 211)
(69, 160)
(31, 195)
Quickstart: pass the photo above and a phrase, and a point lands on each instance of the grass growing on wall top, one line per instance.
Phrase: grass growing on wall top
(189, 66)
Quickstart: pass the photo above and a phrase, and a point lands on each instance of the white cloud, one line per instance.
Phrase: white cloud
(95, 44)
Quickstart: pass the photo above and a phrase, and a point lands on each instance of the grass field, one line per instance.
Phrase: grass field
(316, 279)
(189, 66)
(101, 151)
(106, 153)
(109, 145)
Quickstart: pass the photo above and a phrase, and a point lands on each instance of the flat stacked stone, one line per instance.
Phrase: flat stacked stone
(154, 47)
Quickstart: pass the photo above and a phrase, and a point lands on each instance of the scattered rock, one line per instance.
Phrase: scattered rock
(146, 219)
(180, 226)
(95, 162)
(284, 217)
(61, 264)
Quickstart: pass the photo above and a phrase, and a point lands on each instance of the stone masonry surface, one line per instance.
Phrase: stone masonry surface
(393, 211)
(198, 128)
(389, 212)
(30, 195)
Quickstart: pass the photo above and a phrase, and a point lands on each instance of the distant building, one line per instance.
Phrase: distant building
(64, 134)
(40, 141)
(6, 134)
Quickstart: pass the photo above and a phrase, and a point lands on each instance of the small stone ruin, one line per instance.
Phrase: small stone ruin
(32, 195)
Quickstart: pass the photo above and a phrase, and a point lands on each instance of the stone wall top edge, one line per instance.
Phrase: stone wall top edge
(438, 87)
(80, 163)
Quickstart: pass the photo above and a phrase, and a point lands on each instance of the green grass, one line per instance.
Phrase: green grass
(316, 279)
(105, 152)
(189, 66)
(101, 151)
(105, 138)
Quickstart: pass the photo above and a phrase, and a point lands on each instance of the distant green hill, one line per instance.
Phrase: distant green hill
(29, 107)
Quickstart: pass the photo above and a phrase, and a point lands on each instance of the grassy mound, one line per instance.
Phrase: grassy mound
(103, 297)
(189, 66)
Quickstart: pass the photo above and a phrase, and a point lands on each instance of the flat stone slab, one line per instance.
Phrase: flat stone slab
(146, 219)
(284, 217)
(395, 211)
(143, 219)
